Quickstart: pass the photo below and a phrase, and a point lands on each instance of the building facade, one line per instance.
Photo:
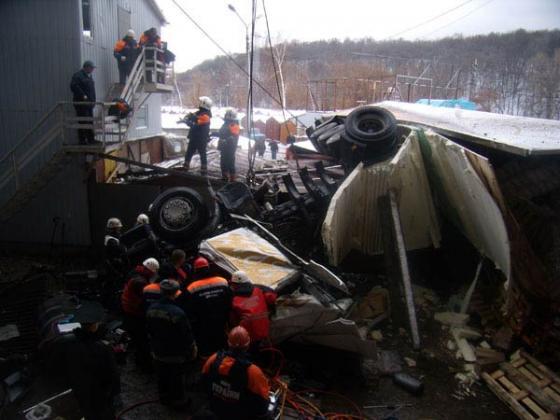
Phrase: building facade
(42, 44)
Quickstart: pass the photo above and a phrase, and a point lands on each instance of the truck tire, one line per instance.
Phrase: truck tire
(179, 214)
(370, 123)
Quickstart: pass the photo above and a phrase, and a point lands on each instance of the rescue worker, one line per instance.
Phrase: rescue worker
(150, 38)
(199, 124)
(175, 269)
(142, 219)
(88, 366)
(273, 144)
(132, 302)
(207, 303)
(125, 53)
(237, 388)
(83, 90)
(172, 344)
(250, 308)
(227, 144)
(260, 147)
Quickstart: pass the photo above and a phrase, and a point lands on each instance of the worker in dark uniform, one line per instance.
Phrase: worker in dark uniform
(151, 39)
(199, 132)
(227, 145)
(238, 389)
(83, 89)
(134, 310)
(172, 343)
(125, 52)
(251, 308)
(260, 147)
(88, 366)
(115, 252)
(176, 268)
(273, 144)
(207, 303)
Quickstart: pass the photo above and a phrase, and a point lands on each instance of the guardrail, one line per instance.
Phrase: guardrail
(57, 128)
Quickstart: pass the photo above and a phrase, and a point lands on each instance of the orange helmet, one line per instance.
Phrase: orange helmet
(200, 262)
(238, 338)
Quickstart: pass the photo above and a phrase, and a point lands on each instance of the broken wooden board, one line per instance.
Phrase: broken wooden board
(529, 388)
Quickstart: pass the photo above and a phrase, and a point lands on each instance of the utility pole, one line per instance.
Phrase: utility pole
(247, 46)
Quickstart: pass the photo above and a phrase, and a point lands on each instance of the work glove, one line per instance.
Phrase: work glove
(123, 58)
(85, 98)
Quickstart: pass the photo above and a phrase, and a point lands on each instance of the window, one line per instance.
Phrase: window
(142, 118)
(86, 18)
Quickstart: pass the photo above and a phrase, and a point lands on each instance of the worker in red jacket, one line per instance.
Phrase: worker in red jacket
(238, 389)
(176, 269)
(133, 306)
(207, 303)
(251, 307)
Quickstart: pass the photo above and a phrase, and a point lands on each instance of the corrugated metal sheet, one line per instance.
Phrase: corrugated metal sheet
(39, 51)
(353, 220)
(61, 208)
(99, 49)
(514, 134)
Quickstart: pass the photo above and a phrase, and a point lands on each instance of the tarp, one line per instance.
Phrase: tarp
(242, 249)
(461, 103)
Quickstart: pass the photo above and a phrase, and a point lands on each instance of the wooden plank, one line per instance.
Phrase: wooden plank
(536, 393)
(507, 398)
(552, 394)
(529, 374)
(546, 371)
(518, 362)
(520, 395)
(497, 374)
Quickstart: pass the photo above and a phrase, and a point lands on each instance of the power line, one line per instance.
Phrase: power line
(228, 55)
(457, 20)
(431, 19)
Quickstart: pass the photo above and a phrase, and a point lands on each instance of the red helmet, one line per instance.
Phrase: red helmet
(238, 338)
(200, 262)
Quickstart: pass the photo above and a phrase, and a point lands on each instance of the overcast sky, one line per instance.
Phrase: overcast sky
(310, 20)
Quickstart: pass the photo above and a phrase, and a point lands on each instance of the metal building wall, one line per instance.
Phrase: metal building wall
(39, 51)
(63, 204)
(99, 49)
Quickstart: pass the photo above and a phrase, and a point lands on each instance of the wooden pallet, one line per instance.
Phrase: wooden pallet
(527, 386)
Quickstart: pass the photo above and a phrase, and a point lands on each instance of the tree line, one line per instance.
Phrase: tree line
(515, 73)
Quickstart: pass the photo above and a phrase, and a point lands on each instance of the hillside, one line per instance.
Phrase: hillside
(515, 73)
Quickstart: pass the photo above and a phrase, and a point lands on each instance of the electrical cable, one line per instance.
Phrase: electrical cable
(457, 20)
(275, 65)
(230, 58)
(250, 122)
(431, 19)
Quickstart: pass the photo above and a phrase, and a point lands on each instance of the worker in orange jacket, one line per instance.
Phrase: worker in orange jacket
(150, 38)
(227, 144)
(207, 303)
(125, 53)
(199, 133)
(238, 389)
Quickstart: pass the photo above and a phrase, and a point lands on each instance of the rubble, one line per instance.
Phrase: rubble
(452, 318)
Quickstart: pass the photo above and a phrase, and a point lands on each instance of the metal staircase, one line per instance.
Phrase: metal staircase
(47, 148)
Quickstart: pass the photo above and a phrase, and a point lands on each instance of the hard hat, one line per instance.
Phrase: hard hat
(151, 264)
(131, 33)
(114, 223)
(200, 262)
(142, 219)
(239, 338)
(240, 277)
(205, 102)
(169, 286)
(231, 114)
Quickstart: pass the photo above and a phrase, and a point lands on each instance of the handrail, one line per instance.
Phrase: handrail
(31, 131)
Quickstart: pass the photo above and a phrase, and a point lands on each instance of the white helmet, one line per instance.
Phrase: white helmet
(151, 264)
(231, 114)
(205, 102)
(143, 219)
(114, 223)
(240, 277)
(131, 33)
